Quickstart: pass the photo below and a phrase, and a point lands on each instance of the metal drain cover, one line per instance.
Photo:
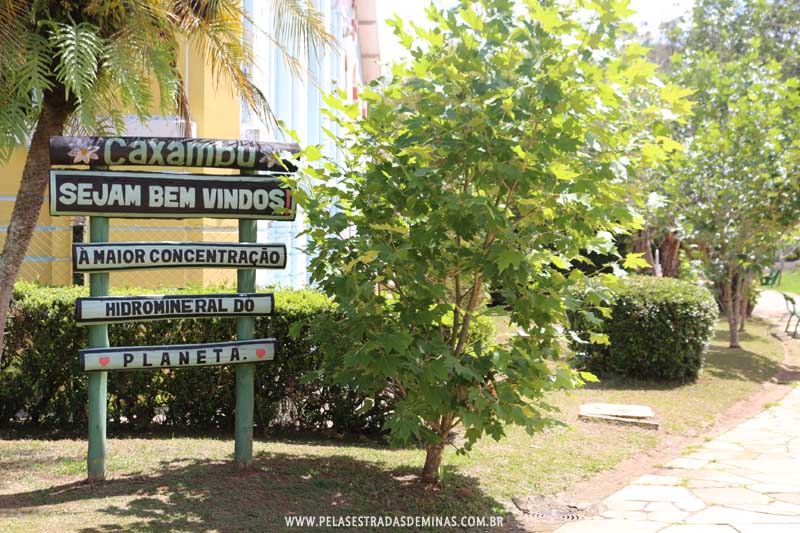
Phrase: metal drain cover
(557, 517)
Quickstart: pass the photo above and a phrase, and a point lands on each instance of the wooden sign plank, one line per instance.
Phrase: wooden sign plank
(171, 152)
(111, 309)
(168, 195)
(105, 257)
(178, 356)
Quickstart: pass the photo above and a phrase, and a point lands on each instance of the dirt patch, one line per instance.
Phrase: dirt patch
(590, 493)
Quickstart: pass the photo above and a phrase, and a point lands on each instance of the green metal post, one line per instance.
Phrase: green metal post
(245, 373)
(98, 381)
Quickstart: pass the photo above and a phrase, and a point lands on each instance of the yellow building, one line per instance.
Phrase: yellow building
(216, 113)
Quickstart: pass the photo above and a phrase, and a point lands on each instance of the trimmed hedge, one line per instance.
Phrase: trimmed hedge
(659, 330)
(40, 374)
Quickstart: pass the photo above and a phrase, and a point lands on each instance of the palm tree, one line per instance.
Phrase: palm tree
(84, 64)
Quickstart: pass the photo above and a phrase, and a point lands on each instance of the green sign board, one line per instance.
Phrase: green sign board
(178, 356)
(172, 152)
(112, 256)
(101, 193)
(165, 195)
(111, 309)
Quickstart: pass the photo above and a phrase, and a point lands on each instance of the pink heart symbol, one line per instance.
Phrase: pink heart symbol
(260, 352)
(104, 361)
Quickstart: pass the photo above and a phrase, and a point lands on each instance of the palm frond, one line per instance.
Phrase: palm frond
(298, 31)
(12, 41)
(13, 14)
(215, 28)
(15, 125)
(33, 73)
(78, 49)
(139, 49)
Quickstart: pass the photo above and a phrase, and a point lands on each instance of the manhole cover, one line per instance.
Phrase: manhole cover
(557, 517)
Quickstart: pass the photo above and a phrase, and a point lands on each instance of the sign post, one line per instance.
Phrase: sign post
(100, 194)
(245, 374)
(98, 381)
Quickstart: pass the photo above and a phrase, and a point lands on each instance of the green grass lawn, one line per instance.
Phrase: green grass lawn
(790, 282)
(188, 484)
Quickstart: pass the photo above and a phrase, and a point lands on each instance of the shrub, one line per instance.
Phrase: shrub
(659, 329)
(40, 373)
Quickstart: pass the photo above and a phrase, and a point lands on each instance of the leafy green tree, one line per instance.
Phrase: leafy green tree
(737, 183)
(736, 188)
(498, 155)
(737, 28)
(86, 63)
(756, 31)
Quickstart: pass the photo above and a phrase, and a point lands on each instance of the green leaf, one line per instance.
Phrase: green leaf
(634, 261)
(562, 171)
(598, 338)
(508, 258)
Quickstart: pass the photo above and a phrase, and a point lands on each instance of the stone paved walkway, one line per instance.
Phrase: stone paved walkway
(746, 480)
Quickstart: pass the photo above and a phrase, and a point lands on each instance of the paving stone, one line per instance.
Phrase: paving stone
(685, 463)
(774, 487)
(731, 496)
(653, 493)
(765, 528)
(692, 528)
(717, 475)
(722, 445)
(652, 479)
(625, 515)
(790, 497)
(709, 484)
(660, 506)
(626, 505)
(779, 478)
(668, 517)
(611, 526)
(717, 455)
(779, 457)
(726, 515)
(691, 506)
(788, 513)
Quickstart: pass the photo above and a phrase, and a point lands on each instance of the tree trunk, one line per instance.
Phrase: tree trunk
(730, 300)
(744, 302)
(433, 459)
(643, 245)
(56, 108)
(742, 315)
(669, 255)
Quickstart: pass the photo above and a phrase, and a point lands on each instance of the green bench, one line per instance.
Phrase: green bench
(771, 279)
(793, 313)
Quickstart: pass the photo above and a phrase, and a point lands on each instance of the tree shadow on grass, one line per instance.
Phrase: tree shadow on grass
(201, 495)
(721, 363)
(288, 436)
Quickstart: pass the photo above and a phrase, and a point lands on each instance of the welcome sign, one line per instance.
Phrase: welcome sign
(102, 194)
(108, 310)
(162, 195)
(105, 257)
(177, 355)
(171, 152)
